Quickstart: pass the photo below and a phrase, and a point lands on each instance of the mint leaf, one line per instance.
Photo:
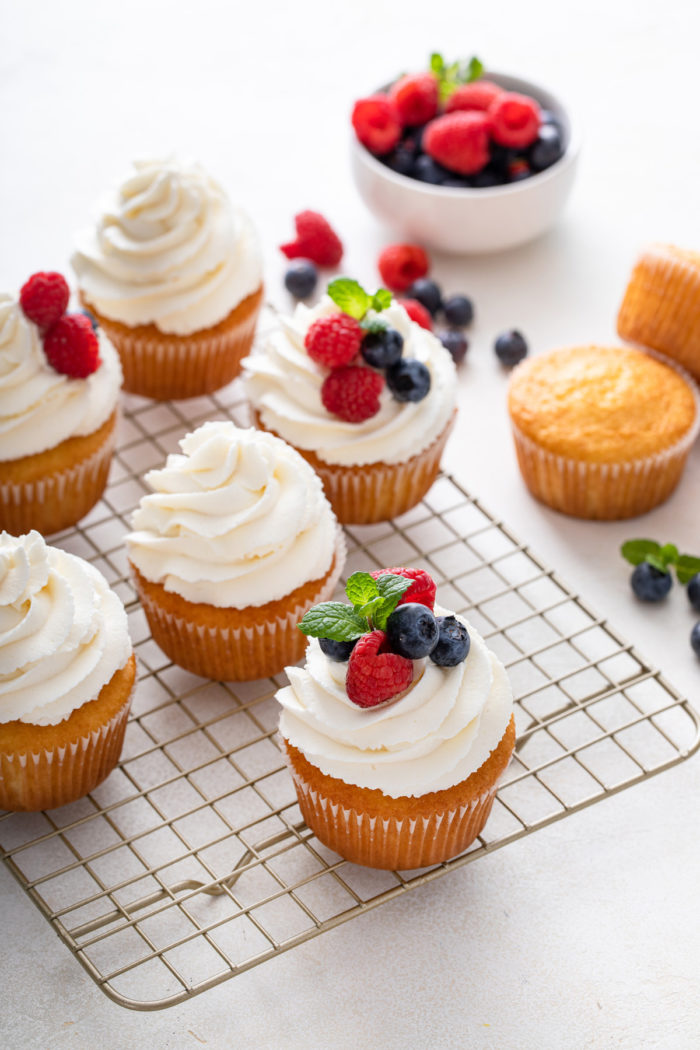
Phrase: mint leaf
(437, 63)
(391, 588)
(361, 588)
(350, 296)
(657, 562)
(381, 299)
(637, 551)
(334, 620)
(686, 567)
(371, 608)
(475, 69)
(669, 553)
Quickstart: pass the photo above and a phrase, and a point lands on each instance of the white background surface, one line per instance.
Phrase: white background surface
(587, 934)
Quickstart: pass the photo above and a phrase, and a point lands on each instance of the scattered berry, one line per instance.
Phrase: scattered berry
(333, 340)
(417, 312)
(427, 293)
(453, 642)
(547, 148)
(352, 393)
(44, 298)
(316, 240)
(456, 343)
(422, 590)
(695, 638)
(382, 348)
(91, 318)
(515, 119)
(510, 348)
(300, 278)
(415, 97)
(425, 169)
(693, 590)
(412, 631)
(401, 264)
(338, 651)
(458, 310)
(409, 380)
(375, 675)
(649, 584)
(459, 141)
(477, 95)
(71, 346)
(376, 124)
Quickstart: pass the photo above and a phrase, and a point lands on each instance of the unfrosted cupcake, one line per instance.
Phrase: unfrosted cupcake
(66, 675)
(234, 544)
(379, 462)
(173, 273)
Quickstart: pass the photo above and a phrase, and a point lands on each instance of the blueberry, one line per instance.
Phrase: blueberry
(400, 160)
(338, 651)
(510, 348)
(694, 591)
(92, 319)
(383, 348)
(453, 642)
(427, 170)
(547, 149)
(501, 159)
(412, 139)
(695, 638)
(300, 278)
(412, 631)
(426, 292)
(458, 310)
(486, 178)
(409, 380)
(547, 117)
(649, 584)
(455, 343)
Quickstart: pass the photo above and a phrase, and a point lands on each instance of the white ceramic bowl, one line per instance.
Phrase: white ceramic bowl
(463, 221)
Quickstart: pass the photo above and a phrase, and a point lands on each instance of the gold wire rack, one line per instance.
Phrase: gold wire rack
(191, 863)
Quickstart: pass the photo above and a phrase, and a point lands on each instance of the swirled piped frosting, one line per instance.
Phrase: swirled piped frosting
(40, 407)
(239, 519)
(63, 632)
(168, 249)
(437, 734)
(284, 386)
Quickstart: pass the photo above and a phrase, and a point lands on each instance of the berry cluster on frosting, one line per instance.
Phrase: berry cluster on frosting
(388, 624)
(70, 344)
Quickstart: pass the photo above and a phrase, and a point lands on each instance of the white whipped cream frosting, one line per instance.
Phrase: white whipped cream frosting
(284, 386)
(239, 519)
(439, 733)
(39, 407)
(63, 632)
(168, 249)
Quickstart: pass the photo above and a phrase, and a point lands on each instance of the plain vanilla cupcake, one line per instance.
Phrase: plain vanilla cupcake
(373, 423)
(396, 758)
(233, 545)
(66, 675)
(57, 429)
(173, 272)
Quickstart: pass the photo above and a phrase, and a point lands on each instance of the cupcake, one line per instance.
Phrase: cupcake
(66, 675)
(233, 545)
(661, 307)
(602, 432)
(367, 397)
(173, 273)
(59, 388)
(396, 730)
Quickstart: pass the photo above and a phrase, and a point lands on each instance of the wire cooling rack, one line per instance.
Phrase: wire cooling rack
(191, 863)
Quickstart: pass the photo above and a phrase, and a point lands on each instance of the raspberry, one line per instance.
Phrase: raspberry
(459, 141)
(417, 312)
(515, 120)
(376, 124)
(422, 590)
(316, 240)
(375, 675)
(44, 298)
(415, 97)
(71, 346)
(352, 393)
(334, 340)
(477, 95)
(402, 264)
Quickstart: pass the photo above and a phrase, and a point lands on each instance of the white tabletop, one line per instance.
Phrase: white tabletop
(585, 934)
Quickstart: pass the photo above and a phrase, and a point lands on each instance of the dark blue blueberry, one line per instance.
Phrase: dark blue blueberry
(649, 584)
(487, 177)
(547, 117)
(427, 170)
(455, 343)
(301, 278)
(92, 319)
(412, 631)
(501, 158)
(694, 591)
(409, 380)
(400, 160)
(426, 292)
(453, 642)
(412, 139)
(338, 651)
(547, 149)
(510, 348)
(458, 310)
(382, 349)
(695, 638)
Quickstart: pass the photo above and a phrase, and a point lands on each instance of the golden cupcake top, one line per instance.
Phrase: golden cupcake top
(601, 404)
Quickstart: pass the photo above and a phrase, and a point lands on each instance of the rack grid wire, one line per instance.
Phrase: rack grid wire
(191, 864)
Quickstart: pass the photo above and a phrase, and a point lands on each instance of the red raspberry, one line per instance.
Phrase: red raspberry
(515, 120)
(402, 264)
(71, 346)
(415, 97)
(334, 340)
(417, 312)
(44, 298)
(352, 393)
(459, 141)
(422, 590)
(376, 124)
(316, 240)
(477, 95)
(375, 675)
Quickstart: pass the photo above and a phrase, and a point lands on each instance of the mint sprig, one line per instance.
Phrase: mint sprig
(663, 558)
(373, 602)
(353, 300)
(451, 76)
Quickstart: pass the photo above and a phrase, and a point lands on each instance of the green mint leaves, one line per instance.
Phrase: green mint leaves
(662, 558)
(353, 300)
(450, 77)
(373, 601)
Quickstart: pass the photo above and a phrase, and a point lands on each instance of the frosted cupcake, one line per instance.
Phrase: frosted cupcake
(234, 544)
(173, 273)
(66, 675)
(363, 393)
(397, 730)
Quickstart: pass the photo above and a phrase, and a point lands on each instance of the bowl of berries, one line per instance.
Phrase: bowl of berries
(463, 160)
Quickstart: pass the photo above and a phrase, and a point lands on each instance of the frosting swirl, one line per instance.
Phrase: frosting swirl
(284, 385)
(239, 519)
(168, 249)
(39, 407)
(63, 632)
